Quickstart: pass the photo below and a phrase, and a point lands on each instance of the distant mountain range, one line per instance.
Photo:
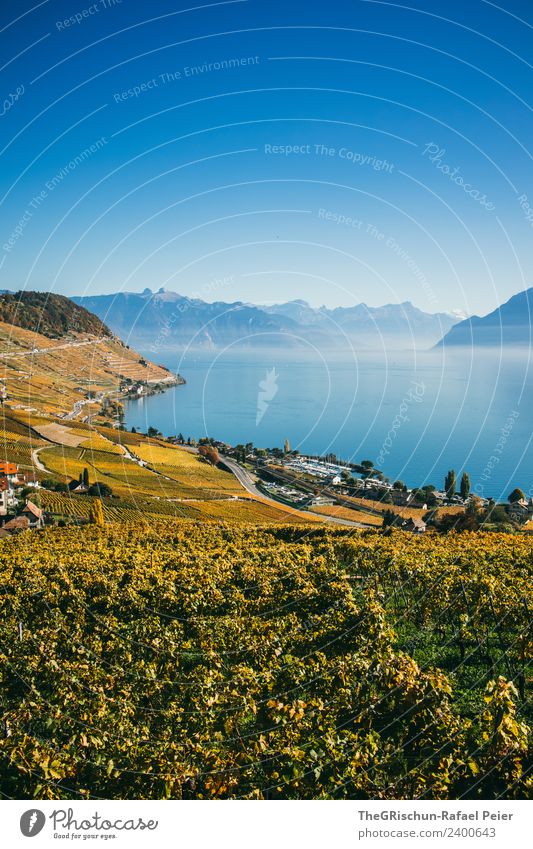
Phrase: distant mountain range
(509, 325)
(169, 319)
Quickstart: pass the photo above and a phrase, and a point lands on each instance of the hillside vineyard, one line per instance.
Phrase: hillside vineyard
(184, 660)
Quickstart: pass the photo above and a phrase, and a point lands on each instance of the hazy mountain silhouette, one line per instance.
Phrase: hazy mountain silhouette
(508, 325)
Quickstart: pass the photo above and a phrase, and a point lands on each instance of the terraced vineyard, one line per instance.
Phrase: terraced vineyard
(182, 475)
(196, 477)
(17, 442)
(125, 477)
(95, 442)
(186, 660)
(51, 375)
(347, 513)
(17, 449)
(115, 509)
(248, 510)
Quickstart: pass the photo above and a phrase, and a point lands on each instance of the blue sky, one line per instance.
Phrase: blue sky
(345, 152)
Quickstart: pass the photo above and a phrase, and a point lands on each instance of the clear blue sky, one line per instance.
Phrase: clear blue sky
(149, 144)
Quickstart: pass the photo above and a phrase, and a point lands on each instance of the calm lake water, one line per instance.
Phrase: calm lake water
(414, 415)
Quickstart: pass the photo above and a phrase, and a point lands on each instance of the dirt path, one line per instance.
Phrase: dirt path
(37, 463)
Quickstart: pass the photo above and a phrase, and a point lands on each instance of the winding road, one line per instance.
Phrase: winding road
(246, 480)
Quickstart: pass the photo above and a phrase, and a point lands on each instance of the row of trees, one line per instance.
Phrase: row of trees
(450, 484)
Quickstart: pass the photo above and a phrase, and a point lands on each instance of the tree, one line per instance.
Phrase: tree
(212, 456)
(210, 453)
(450, 483)
(516, 495)
(96, 514)
(29, 493)
(86, 477)
(100, 489)
(497, 515)
(474, 507)
(240, 453)
(134, 430)
(153, 431)
(465, 486)
(399, 485)
(287, 446)
(390, 519)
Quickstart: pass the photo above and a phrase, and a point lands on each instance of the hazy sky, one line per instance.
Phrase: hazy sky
(263, 151)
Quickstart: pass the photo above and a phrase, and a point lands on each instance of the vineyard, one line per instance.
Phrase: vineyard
(197, 478)
(178, 484)
(187, 660)
(124, 476)
(347, 513)
(187, 477)
(16, 442)
(115, 509)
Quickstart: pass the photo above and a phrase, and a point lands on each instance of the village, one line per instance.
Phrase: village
(18, 511)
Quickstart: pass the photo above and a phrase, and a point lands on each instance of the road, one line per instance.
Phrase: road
(33, 351)
(247, 482)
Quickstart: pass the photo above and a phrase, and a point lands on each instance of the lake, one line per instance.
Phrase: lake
(416, 415)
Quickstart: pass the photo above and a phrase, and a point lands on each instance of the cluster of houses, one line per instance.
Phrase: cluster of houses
(412, 525)
(14, 517)
(522, 511)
